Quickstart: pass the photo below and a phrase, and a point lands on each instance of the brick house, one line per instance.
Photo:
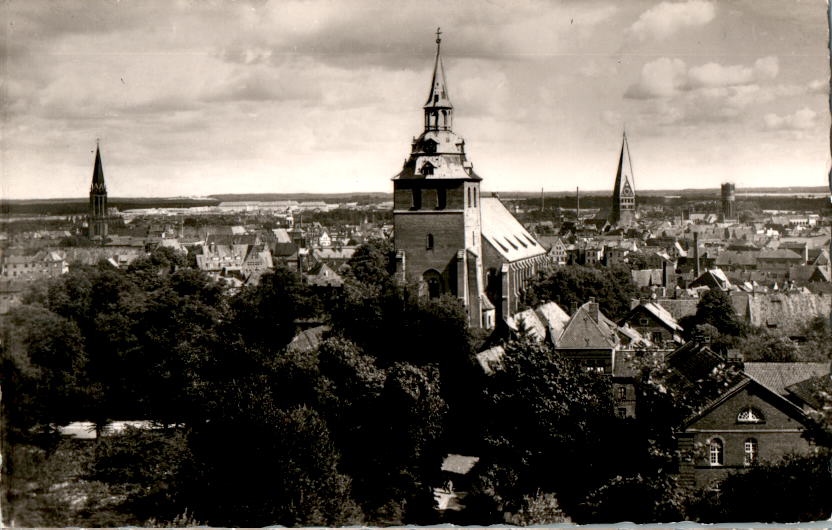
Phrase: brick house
(758, 418)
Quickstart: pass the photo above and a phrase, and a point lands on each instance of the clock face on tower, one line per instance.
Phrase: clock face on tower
(627, 189)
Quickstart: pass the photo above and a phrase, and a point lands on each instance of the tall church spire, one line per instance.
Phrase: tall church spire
(624, 192)
(98, 173)
(438, 108)
(98, 200)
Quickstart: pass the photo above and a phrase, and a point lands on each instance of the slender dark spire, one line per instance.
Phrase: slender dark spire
(624, 192)
(438, 108)
(98, 173)
(438, 96)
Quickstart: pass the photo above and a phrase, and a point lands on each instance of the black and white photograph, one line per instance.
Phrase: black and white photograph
(318, 263)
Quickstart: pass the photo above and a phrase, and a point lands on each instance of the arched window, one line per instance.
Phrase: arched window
(427, 169)
(750, 451)
(417, 199)
(442, 199)
(433, 280)
(750, 415)
(475, 196)
(469, 197)
(715, 453)
(429, 242)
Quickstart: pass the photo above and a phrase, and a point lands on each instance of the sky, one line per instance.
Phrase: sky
(191, 98)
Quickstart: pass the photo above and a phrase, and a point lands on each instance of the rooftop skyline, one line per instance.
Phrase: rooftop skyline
(193, 98)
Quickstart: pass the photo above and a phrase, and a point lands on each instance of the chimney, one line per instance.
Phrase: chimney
(573, 308)
(696, 252)
(592, 308)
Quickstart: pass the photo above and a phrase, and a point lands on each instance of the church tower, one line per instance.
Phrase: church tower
(436, 210)
(624, 192)
(98, 200)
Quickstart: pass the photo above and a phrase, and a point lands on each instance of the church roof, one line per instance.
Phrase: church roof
(505, 233)
(98, 174)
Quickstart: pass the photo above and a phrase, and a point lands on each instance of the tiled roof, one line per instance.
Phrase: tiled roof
(584, 332)
(778, 376)
(505, 233)
(554, 317)
(491, 359)
(308, 339)
(679, 307)
(529, 321)
(459, 464)
(788, 313)
(808, 390)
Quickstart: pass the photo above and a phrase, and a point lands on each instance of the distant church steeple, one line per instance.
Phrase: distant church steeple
(624, 192)
(98, 200)
(438, 108)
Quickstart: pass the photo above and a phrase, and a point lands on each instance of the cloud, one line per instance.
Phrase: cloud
(666, 77)
(801, 120)
(660, 78)
(667, 18)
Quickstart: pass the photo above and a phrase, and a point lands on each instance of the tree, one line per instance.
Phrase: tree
(769, 348)
(796, 488)
(371, 263)
(43, 357)
(264, 316)
(547, 427)
(715, 308)
(612, 287)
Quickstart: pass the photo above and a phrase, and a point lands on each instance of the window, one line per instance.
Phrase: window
(622, 393)
(750, 450)
(750, 415)
(442, 199)
(476, 192)
(715, 452)
(429, 243)
(417, 200)
(427, 169)
(469, 197)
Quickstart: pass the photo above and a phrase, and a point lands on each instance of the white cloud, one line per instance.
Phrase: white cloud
(666, 77)
(801, 120)
(666, 18)
(660, 78)
(766, 68)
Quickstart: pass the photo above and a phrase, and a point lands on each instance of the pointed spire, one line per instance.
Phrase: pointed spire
(624, 192)
(98, 173)
(438, 97)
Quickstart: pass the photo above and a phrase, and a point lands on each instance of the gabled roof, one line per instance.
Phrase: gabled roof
(529, 321)
(779, 254)
(778, 376)
(585, 332)
(554, 317)
(659, 312)
(491, 359)
(505, 233)
(808, 390)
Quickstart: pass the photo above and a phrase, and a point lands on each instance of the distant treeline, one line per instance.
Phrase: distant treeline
(81, 206)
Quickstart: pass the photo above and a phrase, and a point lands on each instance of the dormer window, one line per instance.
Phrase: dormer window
(430, 146)
(427, 169)
(750, 415)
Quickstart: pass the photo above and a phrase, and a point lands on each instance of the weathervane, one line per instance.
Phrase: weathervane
(438, 36)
